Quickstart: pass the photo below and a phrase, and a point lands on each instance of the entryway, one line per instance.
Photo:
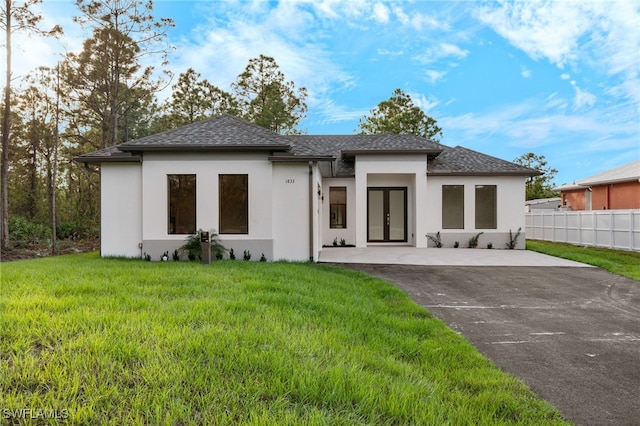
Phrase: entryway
(387, 215)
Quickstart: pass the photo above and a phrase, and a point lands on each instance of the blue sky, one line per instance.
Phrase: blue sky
(556, 78)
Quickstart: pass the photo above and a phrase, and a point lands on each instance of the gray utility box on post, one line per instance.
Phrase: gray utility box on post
(205, 244)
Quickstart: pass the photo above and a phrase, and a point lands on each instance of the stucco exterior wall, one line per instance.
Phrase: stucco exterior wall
(623, 195)
(207, 167)
(291, 228)
(614, 196)
(575, 199)
(510, 214)
(393, 170)
(348, 233)
(121, 209)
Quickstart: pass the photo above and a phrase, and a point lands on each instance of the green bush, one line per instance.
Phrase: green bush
(193, 249)
(68, 230)
(23, 231)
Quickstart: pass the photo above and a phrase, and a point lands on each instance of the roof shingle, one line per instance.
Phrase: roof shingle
(228, 133)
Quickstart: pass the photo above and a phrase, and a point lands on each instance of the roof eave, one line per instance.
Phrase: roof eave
(608, 181)
(348, 153)
(99, 159)
(460, 173)
(300, 158)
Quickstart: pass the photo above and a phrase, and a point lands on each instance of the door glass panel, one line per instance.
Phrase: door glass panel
(396, 215)
(376, 215)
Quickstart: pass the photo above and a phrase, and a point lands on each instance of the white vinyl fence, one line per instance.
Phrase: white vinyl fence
(619, 229)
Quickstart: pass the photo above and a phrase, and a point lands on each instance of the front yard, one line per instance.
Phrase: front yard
(112, 341)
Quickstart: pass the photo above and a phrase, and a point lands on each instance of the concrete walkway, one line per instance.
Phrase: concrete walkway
(399, 255)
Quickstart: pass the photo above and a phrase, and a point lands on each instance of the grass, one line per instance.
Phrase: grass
(114, 341)
(621, 262)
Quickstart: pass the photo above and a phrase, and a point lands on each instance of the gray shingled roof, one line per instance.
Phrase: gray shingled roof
(344, 147)
(228, 133)
(463, 161)
(220, 132)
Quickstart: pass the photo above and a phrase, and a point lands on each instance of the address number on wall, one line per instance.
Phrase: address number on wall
(290, 181)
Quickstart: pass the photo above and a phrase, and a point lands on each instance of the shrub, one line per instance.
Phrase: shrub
(335, 242)
(473, 241)
(247, 255)
(68, 230)
(513, 239)
(193, 248)
(436, 240)
(232, 255)
(23, 231)
(456, 244)
(263, 258)
(343, 242)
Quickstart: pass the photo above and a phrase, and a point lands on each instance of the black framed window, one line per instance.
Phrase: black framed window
(486, 207)
(452, 206)
(234, 204)
(338, 206)
(182, 204)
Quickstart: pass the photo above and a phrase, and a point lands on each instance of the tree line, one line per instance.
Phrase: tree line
(104, 95)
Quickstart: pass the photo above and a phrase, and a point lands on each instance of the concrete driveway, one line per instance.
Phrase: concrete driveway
(572, 334)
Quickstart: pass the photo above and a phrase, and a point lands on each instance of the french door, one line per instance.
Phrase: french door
(387, 215)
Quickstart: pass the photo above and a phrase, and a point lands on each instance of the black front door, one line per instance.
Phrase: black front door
(387, 214)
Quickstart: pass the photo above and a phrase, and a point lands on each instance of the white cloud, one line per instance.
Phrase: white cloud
(221, 48)
(441, 51)
(402, 17)
(381, 13)
(419, 21)
(387, 52)
(434, 76)
(535, 123)
(600, 35)
(565, 76)
(549, 29)
(525, 73)
(424, 103)
(583, 99)
(335, 113)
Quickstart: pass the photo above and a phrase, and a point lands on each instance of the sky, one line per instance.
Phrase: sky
(556, 78)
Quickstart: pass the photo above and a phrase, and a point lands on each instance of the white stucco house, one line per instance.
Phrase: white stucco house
(287, 196)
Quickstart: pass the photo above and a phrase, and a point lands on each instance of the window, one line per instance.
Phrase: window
(486, 210)
(234, 204)
(338, 206)
(182, 204)
(453, 206)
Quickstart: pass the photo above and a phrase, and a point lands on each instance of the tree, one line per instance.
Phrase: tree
(538, 186)
(400, 115)
(267, 99)
(14, 18)
(107, 76)
(194, 99)
(41, 103)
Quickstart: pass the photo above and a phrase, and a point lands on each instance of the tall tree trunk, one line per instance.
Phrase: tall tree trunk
(4, 169)
(54, 168)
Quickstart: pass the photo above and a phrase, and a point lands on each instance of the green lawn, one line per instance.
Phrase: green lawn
(112, 341)
(621, 262)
